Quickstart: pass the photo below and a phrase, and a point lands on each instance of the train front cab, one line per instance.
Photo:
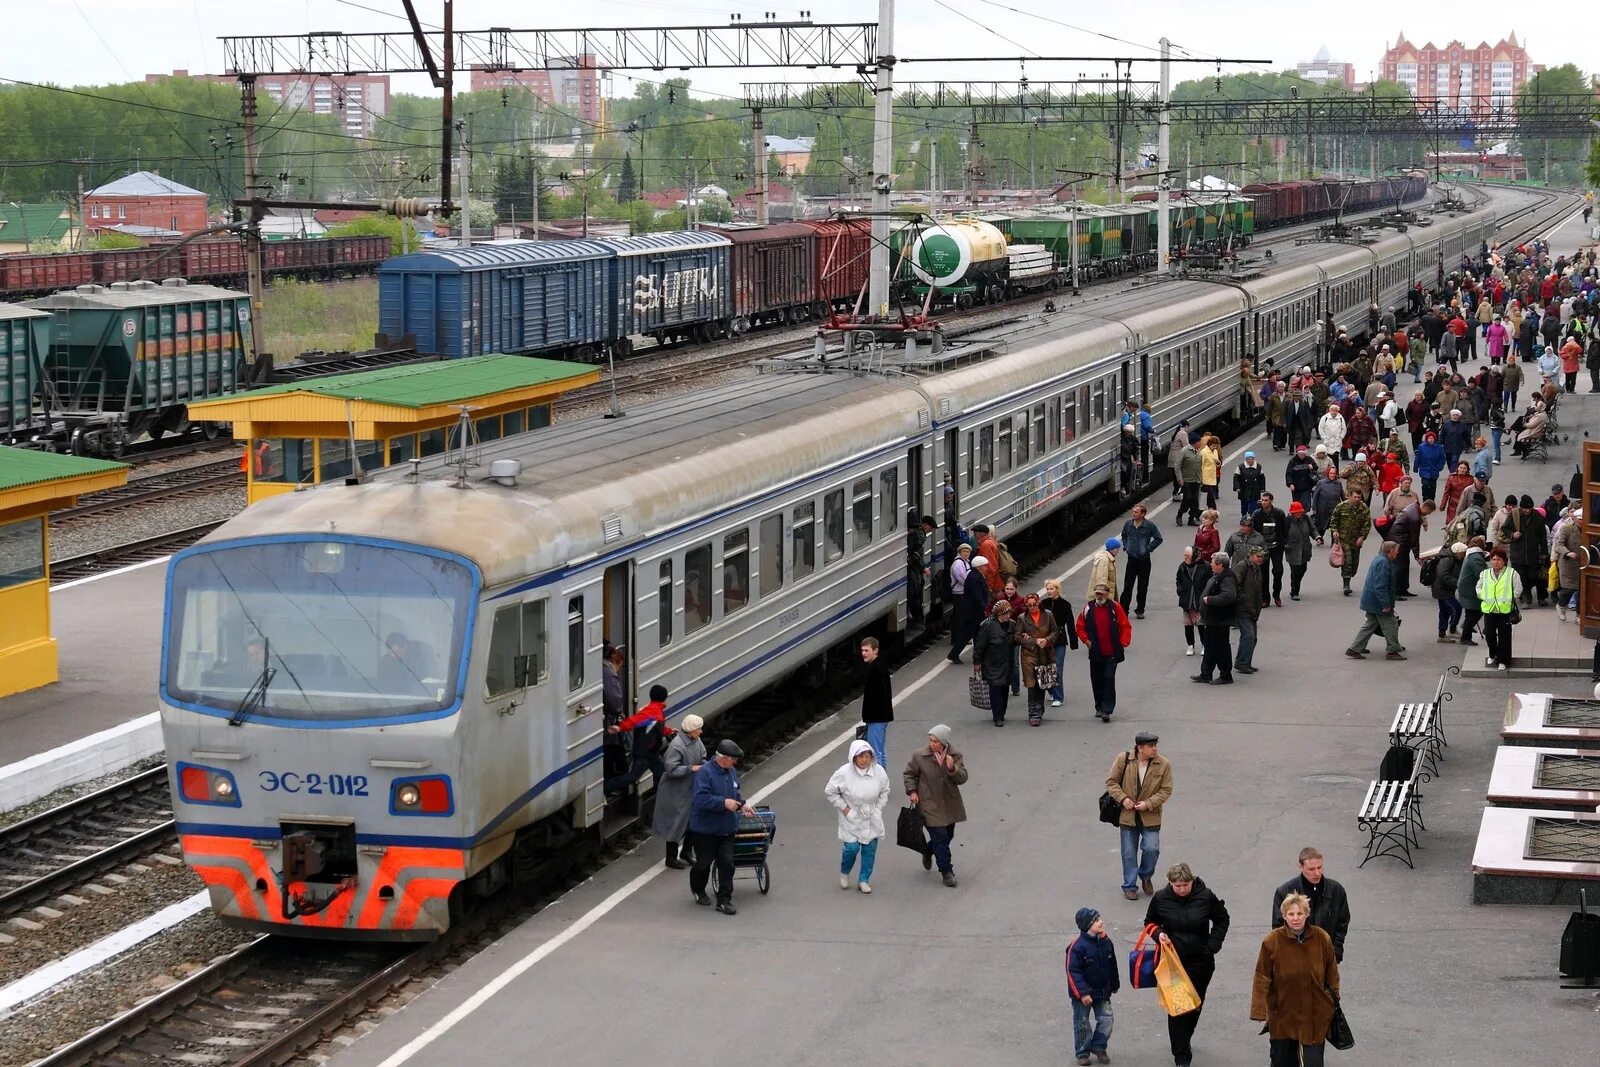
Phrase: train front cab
(314, 755)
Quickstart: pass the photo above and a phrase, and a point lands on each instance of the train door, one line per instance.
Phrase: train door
(580, 614)
(618, 627)
(952, 475)
(1144, 393)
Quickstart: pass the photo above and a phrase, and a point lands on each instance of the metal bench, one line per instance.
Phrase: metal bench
(1420, 726)
(1391, 811)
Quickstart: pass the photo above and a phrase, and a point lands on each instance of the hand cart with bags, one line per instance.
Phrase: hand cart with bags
(751, 844)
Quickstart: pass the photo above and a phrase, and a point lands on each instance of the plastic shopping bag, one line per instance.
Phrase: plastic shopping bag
(1177, 993)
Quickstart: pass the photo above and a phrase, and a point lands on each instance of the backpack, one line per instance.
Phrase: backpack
(1430, 568)
(1008, 564)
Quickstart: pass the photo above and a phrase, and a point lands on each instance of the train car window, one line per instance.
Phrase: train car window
(985, 454)
(735, 571)
(1038, 429)
(664, 605)
(1022, 439)
(832, 526)
(1003, 446)
(861, 512)
(1052, 424)
(804, 533)
(1166, 374)
(770, 558)
(518, 649)
(889, 497)
(696, 588)
(1097, 405)
(575, 649)
(971, 459)
(1069, 418)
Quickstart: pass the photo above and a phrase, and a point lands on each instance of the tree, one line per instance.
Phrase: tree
(627, 181)
(373, 226)
(1562, 158)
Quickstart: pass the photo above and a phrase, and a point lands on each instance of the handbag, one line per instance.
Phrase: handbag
(1110, 806)
(1516, 614)
(1336, 555)
(861, 732)
(1142, 959)
(1339, 1035)
(1044, 676)
(911, 832)
(978, 690)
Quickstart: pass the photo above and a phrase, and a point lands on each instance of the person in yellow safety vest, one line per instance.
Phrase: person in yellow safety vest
(254, 459)
(1498, 590)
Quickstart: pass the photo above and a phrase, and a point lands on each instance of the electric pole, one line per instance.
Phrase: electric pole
(253, 213)
(882, 160)
(1163, 160)
(758, 140)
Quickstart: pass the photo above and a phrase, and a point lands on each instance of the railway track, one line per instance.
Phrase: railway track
(201, 479)
(89, 564)
(50, 853)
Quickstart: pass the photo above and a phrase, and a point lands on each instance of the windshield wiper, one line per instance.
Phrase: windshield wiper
(257, 693)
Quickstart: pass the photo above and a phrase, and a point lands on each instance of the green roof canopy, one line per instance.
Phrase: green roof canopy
(423, 384)
(25, 466)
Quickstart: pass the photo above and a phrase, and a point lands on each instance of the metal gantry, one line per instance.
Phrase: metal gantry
(738, 44)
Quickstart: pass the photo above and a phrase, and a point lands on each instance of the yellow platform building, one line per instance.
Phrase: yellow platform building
(299, 433)
(33, 484)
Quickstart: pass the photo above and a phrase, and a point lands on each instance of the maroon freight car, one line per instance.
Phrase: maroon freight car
(843, 250)
(773, 272)
(30, 272)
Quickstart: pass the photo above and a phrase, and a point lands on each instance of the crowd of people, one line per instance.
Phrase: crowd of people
(1362, 466)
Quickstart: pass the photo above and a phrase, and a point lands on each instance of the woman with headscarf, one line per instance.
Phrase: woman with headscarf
(1037, 638)
(1296, 986)
(859, 791)
(682, 759)
(1455, 486)
(1324, 498)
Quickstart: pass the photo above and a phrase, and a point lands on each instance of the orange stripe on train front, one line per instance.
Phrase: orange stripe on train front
(234, 881)
(398, 858)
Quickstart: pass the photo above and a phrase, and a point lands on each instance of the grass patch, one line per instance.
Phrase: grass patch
(331, 316)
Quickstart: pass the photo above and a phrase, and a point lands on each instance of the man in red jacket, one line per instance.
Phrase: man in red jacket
(1104, 629)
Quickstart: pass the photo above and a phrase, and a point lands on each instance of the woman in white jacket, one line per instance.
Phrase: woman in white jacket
(860, 792)
(1331, 429)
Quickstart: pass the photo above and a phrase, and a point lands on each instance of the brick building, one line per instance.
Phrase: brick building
(146, 201)
(359, 100)
(1479, 80)
(571, 86)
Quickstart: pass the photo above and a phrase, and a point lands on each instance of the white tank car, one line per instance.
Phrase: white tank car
(379, 698)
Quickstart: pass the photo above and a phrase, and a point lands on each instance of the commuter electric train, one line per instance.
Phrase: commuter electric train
(382, 699)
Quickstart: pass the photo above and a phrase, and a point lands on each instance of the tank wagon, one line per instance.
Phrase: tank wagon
(381, 700)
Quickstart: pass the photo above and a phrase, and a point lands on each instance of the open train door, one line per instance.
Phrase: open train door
(617, 598)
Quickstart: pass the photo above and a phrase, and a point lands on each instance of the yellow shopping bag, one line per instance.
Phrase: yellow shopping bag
(1177, 993)
(1555, 576)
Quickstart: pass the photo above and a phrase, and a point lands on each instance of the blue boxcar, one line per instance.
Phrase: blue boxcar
(667, 285)
(534, 297)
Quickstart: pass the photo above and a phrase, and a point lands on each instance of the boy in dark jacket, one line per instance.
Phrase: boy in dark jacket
(1091, 979)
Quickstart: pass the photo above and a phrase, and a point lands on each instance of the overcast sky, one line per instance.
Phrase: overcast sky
(89, 42)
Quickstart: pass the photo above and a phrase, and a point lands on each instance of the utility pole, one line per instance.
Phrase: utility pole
(252, 221)
(972, 163)
(933, 172)
(758, 141)
(882, 161)
(1163, 159)
(465, 162)
(82, 240)
(535, 201)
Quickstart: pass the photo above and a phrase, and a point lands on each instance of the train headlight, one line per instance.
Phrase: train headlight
(207, 785)
(430, 795)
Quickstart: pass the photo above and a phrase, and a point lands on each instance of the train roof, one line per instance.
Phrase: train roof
(20, 311)
(135, 295)
(596, 481)
(675, 241)
(488, 257)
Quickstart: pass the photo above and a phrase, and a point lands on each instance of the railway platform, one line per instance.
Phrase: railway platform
(627, 965)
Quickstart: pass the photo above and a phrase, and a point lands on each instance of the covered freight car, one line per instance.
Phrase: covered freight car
(24, 333)
(546, 297)
(669, 286)
(842, 252)
(772, 273)
(125, 359)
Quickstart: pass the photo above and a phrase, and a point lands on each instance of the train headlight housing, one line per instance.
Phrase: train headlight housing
(427, 796)
(207, 785)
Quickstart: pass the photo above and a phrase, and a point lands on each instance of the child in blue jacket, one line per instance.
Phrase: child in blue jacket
(1091, 979)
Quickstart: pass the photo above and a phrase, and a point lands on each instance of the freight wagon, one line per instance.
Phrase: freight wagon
(24, 333)
(773, 274)
(125, 359)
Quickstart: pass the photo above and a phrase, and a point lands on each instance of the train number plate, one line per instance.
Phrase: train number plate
(338, 785)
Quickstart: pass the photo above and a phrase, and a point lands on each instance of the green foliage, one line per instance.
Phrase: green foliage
(373, 226)
(627, 181)
(480, 212)
(1564, 155)
(332, 316)
(104, 239)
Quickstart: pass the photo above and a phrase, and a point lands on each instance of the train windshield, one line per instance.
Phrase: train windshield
(317, 630)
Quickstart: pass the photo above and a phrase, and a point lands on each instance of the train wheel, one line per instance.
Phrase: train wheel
(209, 430)
(964, 301)
(622, 348)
